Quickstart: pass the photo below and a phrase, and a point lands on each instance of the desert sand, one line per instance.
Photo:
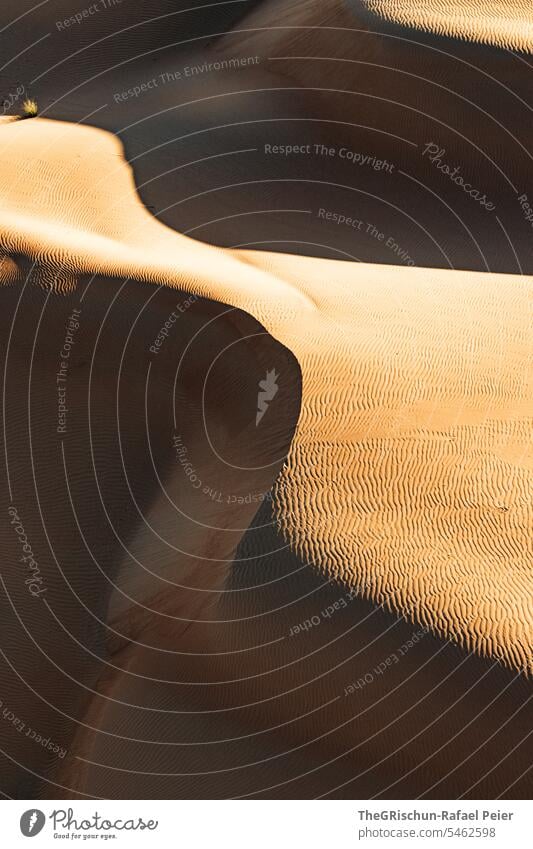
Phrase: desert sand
(390, 478)
(502, 24)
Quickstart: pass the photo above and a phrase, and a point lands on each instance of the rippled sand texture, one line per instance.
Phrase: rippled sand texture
(502, 23)
(410, 474)
(385, 496)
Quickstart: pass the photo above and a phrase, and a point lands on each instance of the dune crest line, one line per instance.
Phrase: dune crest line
(417, 408)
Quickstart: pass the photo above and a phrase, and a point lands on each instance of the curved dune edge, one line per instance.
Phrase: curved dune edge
(410, 474)
(507, 24)
(502, 23)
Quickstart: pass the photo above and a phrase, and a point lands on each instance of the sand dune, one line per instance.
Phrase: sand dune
(417, 397)
(185, 524)
(503, 23)
(329, 73)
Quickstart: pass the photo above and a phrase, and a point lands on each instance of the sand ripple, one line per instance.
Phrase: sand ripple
(410, 475)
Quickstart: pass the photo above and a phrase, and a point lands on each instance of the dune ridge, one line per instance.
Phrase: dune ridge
(503, 23)
(410, 473)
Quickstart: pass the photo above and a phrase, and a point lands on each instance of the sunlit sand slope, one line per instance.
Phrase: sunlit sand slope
(410, 474)
(502, 23)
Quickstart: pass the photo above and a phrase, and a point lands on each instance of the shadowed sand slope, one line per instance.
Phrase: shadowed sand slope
(416, 422)
(196, 94)
(410, 473)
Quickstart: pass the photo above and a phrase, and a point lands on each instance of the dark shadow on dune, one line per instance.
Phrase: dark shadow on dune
(117, 525)
(165, 649)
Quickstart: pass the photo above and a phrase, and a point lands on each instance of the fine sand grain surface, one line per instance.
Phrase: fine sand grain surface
(417, 387)
(502, 23)
(409, 470)
(252, 477)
